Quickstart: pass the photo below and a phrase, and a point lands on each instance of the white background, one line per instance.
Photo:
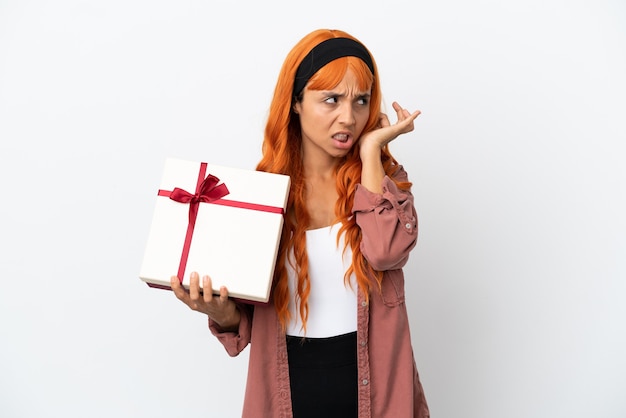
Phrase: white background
(516, 289)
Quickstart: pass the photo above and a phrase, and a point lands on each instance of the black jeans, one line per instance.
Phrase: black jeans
(323, 376)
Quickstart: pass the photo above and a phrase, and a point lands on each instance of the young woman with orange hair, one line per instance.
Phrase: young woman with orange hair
(334, 340)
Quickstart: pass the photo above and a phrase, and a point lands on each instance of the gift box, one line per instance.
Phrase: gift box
(221, 221)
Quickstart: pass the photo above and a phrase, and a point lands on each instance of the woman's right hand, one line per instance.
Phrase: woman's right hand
(220, 308)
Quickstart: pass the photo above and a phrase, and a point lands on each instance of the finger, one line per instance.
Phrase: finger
(223, 294)
(194, 287)
(383, 121)
(396, 106)
(410, 117)
(416, 114)
(404, 113)
(178, 288)
(407, 118)
(207, 289)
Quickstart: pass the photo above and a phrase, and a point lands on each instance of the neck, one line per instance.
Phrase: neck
(320, 168)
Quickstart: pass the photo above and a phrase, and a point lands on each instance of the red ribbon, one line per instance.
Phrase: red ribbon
(207, 191)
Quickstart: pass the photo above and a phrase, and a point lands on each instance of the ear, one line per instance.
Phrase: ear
(296, 107)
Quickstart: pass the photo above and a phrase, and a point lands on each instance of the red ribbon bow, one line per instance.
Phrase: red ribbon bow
(208, 191)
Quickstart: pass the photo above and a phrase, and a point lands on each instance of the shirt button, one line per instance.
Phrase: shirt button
(365, 382)
(363, 303)
(363, 343)
(407, 225)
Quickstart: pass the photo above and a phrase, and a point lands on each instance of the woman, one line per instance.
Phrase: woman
(334, 339)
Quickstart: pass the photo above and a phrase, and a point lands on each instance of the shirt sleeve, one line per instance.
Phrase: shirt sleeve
(388, 223)
(235, 342)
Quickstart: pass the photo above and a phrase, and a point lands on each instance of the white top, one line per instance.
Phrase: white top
(332, 302)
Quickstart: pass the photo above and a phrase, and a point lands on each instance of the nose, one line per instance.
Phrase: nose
(346, 115)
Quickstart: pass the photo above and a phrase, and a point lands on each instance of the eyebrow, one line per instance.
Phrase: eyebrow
(334, 94)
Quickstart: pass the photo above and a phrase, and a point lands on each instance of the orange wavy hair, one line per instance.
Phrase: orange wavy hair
(282, 154)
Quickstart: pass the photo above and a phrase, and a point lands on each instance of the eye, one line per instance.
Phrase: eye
(331, 100)
(363, 100)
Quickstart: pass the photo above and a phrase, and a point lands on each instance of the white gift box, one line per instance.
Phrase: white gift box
(235, 237)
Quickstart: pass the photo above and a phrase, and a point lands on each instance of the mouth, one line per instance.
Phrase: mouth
(342, 137)
(343, 140)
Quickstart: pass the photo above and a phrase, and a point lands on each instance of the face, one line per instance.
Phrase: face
(332, 121)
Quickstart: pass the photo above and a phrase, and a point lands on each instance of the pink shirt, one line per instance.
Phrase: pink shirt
(389, 385)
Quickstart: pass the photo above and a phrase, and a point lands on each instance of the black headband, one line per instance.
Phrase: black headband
(325, 52)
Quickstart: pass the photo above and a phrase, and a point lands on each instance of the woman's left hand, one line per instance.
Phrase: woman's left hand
(387, 132)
